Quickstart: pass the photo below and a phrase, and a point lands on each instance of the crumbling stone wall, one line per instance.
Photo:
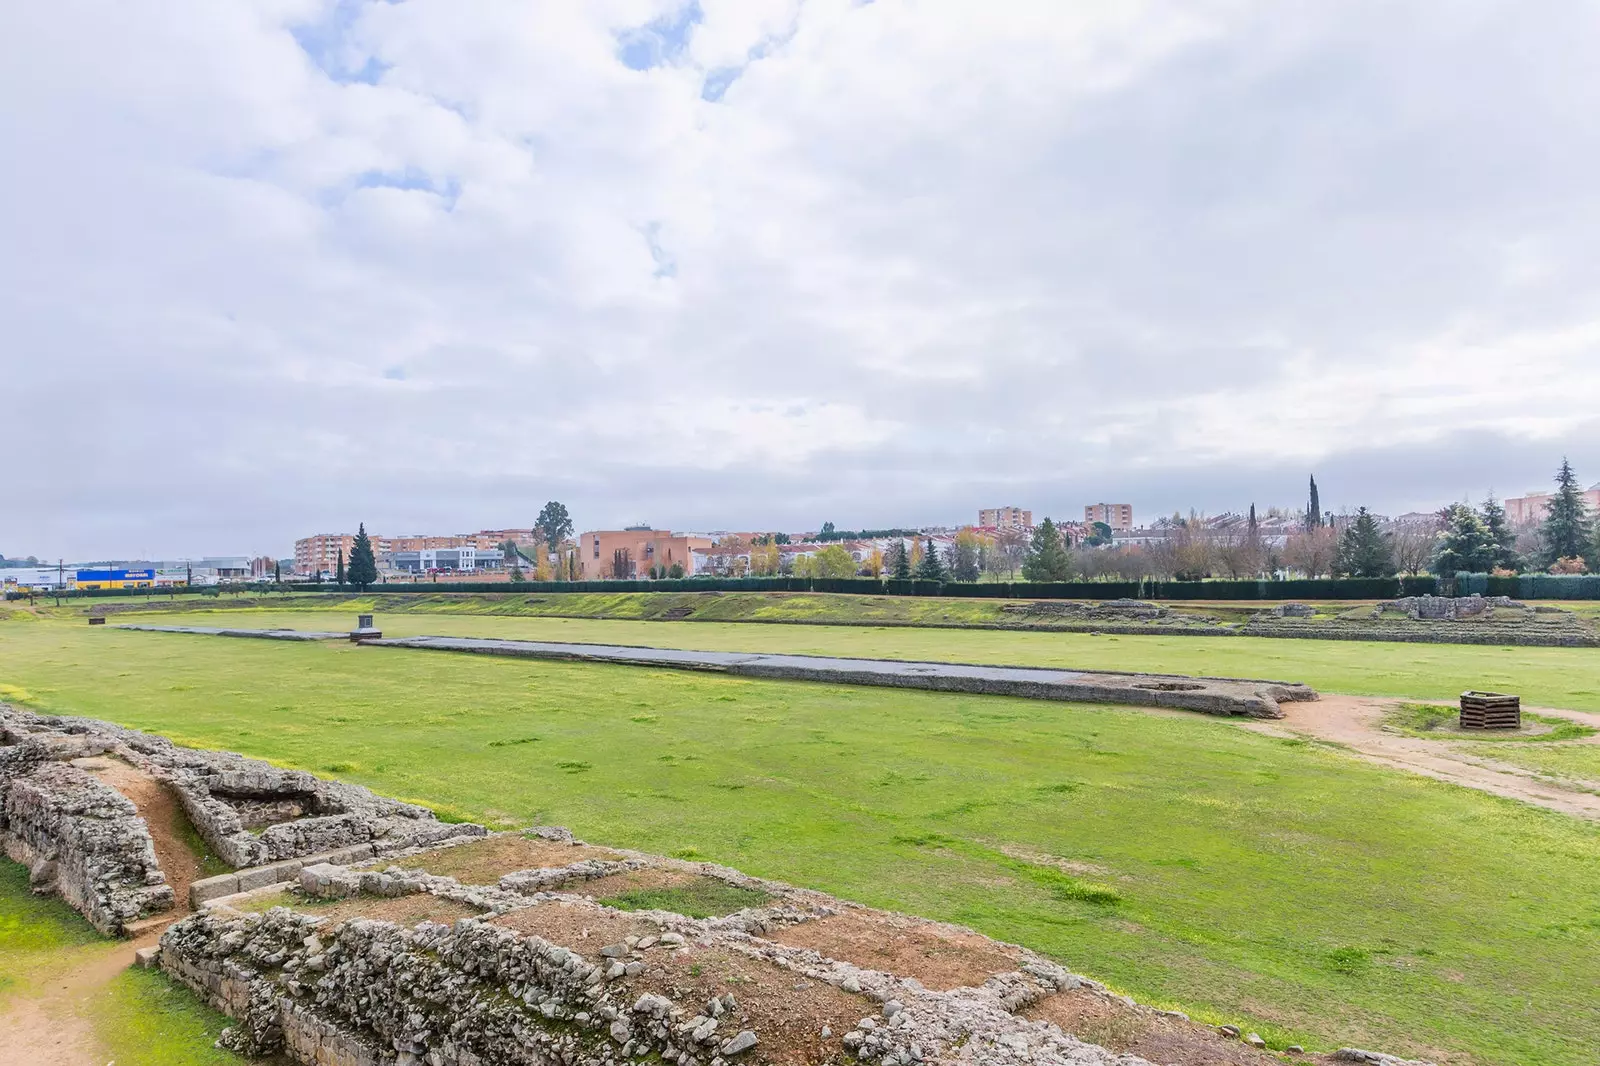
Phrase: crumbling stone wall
(83, 840)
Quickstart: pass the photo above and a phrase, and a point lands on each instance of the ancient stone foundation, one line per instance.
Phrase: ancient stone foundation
(84, 840)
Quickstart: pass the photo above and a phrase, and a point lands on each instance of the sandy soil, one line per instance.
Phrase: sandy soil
(940, 957)
(1355, 722)
(483, 862)
(632, 881)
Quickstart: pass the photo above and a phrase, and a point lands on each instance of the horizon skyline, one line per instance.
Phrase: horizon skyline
(1140, 522)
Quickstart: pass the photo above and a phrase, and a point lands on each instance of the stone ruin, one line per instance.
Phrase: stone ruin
(1449, 608)
(83, 839)
(422, 944)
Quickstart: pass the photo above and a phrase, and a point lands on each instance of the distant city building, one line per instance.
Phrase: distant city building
(1119, 516)
(263, 568)
(114, 579)
(320, 553)
(1005, 518)
(40, 578)
(1530, 510)
(463, 559)
(642, 548)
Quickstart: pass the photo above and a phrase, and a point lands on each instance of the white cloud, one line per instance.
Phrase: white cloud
(432, 262)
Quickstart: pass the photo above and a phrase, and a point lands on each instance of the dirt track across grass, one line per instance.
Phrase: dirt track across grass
(1355, 723)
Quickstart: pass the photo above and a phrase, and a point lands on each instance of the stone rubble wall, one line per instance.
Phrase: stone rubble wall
(368, 992)
(83, 840)
(86, 840)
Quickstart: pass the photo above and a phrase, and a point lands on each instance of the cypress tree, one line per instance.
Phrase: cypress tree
(932, 567)
(1567, 527)
(1314, 507)
(1046, 558)
(338, 575)
(1363, 549)
(363, 564)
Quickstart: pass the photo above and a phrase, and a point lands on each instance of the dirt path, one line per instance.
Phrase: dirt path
(1355, 722)
(54, 1022)
(162, 816)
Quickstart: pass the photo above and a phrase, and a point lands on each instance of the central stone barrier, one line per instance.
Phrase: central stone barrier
(1210, 695)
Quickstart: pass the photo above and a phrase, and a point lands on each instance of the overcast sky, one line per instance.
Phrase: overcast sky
(273, 267)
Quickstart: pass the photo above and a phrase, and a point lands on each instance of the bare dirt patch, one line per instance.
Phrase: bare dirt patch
(940, 957)
(582, 928)
(1355, 722)
(786, 1010)
(1156, 1037)
(401, 910)
(633, 881)
(484, 862)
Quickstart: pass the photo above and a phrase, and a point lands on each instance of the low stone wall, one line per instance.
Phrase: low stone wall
(476, 993)
(86, 841)
(83, 840)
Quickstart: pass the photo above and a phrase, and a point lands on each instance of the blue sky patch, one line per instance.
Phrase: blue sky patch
(328, 44)
(659, 41)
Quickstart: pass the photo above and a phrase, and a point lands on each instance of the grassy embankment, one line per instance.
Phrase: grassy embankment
(1242, 877)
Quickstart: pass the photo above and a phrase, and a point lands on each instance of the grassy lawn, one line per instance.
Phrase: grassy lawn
(1574, 762)
(1245, 878)
(139, 1019)
(1553, 677)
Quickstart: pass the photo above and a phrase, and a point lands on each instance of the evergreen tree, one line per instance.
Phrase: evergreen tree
(1046, 558)
(932, 567)
(1314, 507)
(898, 561)
(1363, 549)
(338, 574)
(363, 571)
(1503, 537)
(966, 557)
(277, 573)
(1567, 528)
(1465, 545)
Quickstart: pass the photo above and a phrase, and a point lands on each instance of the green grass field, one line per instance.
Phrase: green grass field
(1273, 883)
(138, 1019)
(1552, 677)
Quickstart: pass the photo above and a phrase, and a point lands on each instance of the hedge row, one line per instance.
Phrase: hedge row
(1318, 589)
(1531, 586)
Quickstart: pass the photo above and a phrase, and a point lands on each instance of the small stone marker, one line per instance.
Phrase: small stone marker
(97, 619)
(365, 630)
(147, 958)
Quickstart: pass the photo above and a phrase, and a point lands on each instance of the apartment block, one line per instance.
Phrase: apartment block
(1530, 510)
(641, 548)
(1005, 518)
(320, 552)
(1119, 516)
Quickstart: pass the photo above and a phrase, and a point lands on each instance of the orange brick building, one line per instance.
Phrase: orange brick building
(644, 548)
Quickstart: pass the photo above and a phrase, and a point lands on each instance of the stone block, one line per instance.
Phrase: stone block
(210, 888)
(272, 874)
